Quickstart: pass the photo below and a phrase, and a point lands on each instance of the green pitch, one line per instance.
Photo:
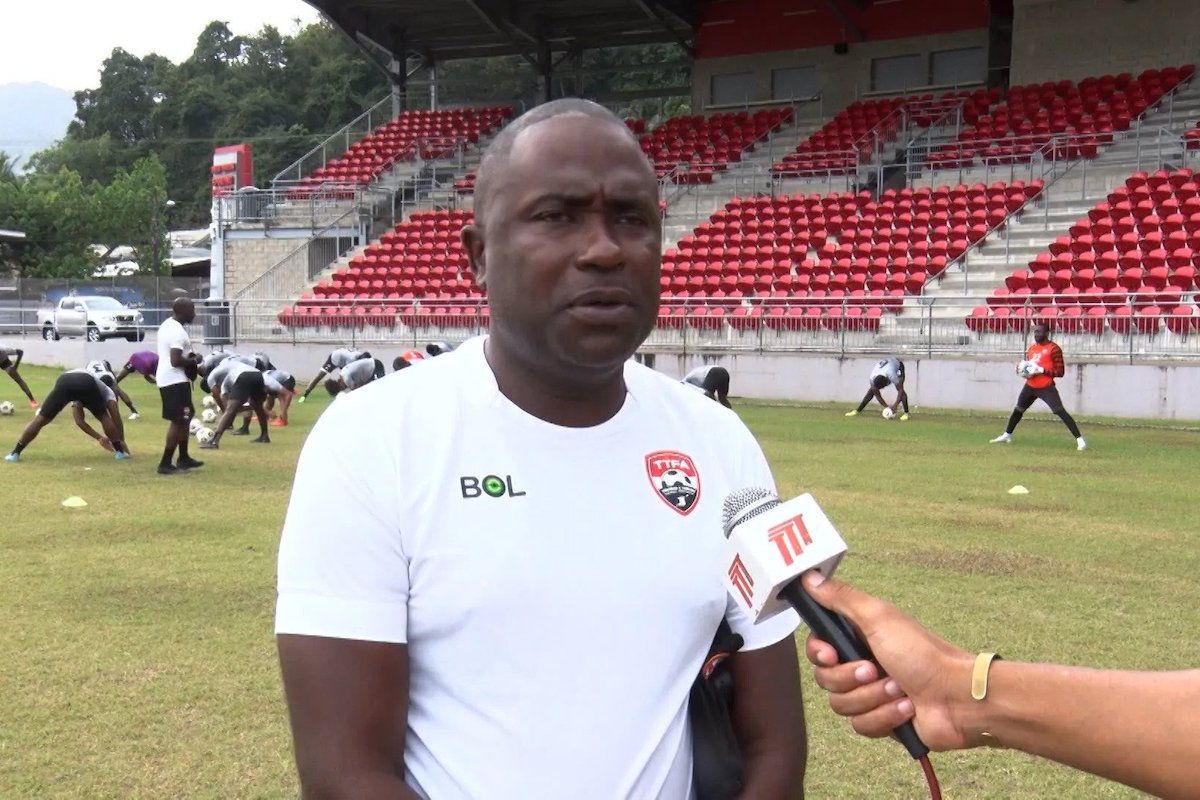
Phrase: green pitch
(136, 656)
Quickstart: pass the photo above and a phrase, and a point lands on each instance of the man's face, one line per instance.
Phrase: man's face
(1040, 334)
(570, 248)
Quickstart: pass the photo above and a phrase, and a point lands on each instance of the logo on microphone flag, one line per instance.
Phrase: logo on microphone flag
(675, 479)
(741, 580)
(790, 536)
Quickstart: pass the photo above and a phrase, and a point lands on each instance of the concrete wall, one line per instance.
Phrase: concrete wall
(1057, 39)
(1166, 391)
(1150, 391)
(247, 258)
(843, 78)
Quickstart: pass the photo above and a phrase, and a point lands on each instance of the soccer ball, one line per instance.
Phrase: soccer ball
(194, 425)
(888, 413)
(208, 401)
(208, 415)
(674, 477)
(7, 409)
(204, 435)
(1027, 369)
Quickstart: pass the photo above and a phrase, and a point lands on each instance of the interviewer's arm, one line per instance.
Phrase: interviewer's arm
(1139, 728)
(348, 703)
(768, 719)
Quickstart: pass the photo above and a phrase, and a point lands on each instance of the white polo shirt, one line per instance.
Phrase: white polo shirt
(171, 336)
(558, 588)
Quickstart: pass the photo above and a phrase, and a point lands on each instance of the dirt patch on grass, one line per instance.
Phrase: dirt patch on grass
(981, 562)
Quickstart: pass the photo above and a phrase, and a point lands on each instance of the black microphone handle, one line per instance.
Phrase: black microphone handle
(834, 629)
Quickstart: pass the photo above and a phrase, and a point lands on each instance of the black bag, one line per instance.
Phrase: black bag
(716, 759)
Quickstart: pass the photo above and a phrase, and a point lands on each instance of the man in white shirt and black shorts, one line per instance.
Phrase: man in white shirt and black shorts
(522, 580)
(81, 388)
(712, 380)
(177, 367)
(886, 372)
(235, 384)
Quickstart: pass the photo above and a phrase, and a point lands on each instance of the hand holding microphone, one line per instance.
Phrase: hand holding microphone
(770, 545)
(923, 673)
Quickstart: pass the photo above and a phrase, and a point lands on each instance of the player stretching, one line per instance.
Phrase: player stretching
(83, 389)
(234, 383)
(354, 376)
(1047, 363)
(10, 368)
(338, 359)
(885, 372)
(713, 380)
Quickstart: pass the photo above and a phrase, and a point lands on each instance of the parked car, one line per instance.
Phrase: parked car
(93, 316)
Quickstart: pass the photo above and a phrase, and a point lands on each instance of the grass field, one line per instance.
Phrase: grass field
(136, 656)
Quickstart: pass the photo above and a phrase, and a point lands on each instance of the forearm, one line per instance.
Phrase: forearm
(88, 429)
(774, 773)
(368, 786)
(1139, 728)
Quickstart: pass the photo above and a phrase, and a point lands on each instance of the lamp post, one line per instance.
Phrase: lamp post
(157, 205)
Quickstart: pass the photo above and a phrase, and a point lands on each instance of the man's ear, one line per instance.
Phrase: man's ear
(473, 244)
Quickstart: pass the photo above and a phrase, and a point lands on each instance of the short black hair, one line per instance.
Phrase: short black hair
(332, 386)
(399, 363)
(497, 153)
(879, 381)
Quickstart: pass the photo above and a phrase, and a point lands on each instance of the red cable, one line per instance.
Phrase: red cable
(935, 790)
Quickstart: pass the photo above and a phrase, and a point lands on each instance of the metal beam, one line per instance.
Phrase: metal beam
(850, 25)
(653, 10)
(500, 24)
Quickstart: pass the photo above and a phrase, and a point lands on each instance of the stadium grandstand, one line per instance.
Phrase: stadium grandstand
(853, 176)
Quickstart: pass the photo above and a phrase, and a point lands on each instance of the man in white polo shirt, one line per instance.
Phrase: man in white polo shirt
(177, 365)
(519, 580)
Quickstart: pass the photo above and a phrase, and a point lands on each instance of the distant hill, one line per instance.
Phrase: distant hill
(33, 116)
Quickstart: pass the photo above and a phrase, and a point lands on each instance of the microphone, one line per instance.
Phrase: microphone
(770, 545)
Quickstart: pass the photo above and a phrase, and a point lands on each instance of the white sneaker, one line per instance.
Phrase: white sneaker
(1004, 438)
(1080, 444)
(133, 416)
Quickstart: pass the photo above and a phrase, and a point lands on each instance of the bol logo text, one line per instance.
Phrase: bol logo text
(490, 485)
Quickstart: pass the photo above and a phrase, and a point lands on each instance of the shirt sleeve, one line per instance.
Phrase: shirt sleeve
(177, 338)
(1057, 362)
(343, 572)
(755, 471)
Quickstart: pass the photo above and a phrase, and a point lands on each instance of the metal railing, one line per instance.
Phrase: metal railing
(1062, 146)
(1132, 327)
(298, 268)
(337, 143)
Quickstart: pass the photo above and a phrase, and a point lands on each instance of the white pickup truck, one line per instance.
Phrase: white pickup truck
(93, 316)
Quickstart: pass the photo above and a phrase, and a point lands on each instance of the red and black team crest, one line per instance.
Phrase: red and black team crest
(675, 479)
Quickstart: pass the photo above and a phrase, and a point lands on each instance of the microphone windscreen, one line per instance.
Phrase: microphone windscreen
(745, 504)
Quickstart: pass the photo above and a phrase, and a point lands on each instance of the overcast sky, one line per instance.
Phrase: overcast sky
(63, 42)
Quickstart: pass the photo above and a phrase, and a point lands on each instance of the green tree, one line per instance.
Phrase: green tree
(56, 213)
(8, 168)
(131, 210)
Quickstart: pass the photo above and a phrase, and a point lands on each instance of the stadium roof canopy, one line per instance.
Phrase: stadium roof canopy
(441, 30)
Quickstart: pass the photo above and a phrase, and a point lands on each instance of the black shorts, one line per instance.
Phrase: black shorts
(73, 387)
(177, 402)
(716, 381)
(1047, 394)
(248, 386)
(5, 363)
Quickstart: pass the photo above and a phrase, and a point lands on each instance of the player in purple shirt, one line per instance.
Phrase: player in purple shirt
(144, 363)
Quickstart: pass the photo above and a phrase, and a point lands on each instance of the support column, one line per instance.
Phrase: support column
(432, 73)
(546, 71)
